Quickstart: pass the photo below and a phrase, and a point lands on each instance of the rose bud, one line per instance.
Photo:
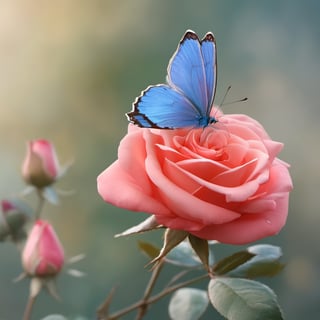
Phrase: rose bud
(13, 219)
(40, 167)
(43, 254)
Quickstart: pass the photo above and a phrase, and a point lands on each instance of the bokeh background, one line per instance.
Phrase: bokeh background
(69, 70)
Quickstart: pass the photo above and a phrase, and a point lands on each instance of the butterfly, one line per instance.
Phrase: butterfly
(186, 99)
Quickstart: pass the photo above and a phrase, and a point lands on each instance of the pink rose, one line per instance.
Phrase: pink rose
(43, 253)
(223, 182)
(40, 167)
(13, 218)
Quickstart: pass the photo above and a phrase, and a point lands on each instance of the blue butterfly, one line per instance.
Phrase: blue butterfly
(187, 98)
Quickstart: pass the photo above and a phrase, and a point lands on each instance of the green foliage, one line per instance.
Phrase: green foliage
(188, 304)
(242, 299)
(231, 262)
(265, 262)
(184, 255)
(54, 317)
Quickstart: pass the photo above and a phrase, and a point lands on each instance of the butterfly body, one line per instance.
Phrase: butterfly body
(187, 98)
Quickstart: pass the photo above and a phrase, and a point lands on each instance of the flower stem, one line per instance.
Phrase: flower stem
(146, 301)
(40, 204)
(144, 305)
(29, 307)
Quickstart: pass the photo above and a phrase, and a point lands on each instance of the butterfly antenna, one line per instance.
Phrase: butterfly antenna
(231, 102)
(222, 101)
(236, 101)
(225, 95)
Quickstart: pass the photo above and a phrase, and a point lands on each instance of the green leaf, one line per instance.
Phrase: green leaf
(183, 255)
(149, 249)
(54, 317)
(264, 263)
(231, 262)
(188, 304)
(242, 299)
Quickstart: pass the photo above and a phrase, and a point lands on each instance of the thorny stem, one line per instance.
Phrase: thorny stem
(155, 274)
(29, 307)
(146, 302)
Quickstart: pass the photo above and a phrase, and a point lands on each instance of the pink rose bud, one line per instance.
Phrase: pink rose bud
(13, 219)
(40, 167)
(43, 254)
(7, 206)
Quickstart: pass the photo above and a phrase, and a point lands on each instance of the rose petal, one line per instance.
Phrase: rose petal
(181, 202)
(235, 193)
(119, 188)
(250, 227)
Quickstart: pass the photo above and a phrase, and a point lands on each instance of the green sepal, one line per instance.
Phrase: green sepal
(201, 248)
(50, 194)
(146, 225)
(171, 239)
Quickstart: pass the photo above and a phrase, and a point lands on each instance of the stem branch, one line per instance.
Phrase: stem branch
(29, 307)
(146, 302)
(144, 305)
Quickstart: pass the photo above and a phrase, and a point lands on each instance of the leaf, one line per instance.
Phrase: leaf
(149, 249)
(264, 263)
(201, 248)
(54, 317)
(231, 262)
(171, 239)
(188, 304)
(183, 255)
(149, 224)
(243, 299)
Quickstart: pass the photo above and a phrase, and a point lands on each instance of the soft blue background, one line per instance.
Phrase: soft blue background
(69, 70)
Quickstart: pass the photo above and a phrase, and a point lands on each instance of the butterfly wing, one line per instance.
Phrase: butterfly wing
(187, 99)
(192, 70)
(162, 107)
(209, 55)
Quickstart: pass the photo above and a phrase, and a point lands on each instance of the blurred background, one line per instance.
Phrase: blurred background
(69, 70)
